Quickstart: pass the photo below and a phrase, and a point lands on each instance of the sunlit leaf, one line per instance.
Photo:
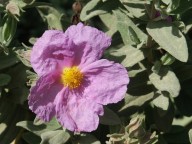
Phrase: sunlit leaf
(55, 137)
(169, 38)
(123, 23)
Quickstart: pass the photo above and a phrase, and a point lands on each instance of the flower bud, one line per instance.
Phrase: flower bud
(77, 7)
(136, 128)
(13, 8)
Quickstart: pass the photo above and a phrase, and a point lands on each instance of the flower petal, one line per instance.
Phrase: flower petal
(89, 43)
(106, 82)
(77, 114)
(42, 96)
(51, 51)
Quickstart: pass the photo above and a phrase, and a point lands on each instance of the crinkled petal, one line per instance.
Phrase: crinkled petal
(90, 43)
(51, 52)
(106, 82)
(77, 114)
(42, 96)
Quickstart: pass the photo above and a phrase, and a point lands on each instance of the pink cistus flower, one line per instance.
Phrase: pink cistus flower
(74, 82)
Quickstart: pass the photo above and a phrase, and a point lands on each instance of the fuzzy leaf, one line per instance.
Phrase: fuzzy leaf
(7, 60)
(10, 114)
(164, 120)
(39, 129)
(169, 38)
(173, 5)
(166, 80)
(97, 7)
(161, 102)
(109, 118)
(128, 55)
(109, 20)
(52, 16)
(55, 137)
(190, 136)
(136, 101)
(123, 24)
(139, 92)
(184, 5)
(136, 8)
(23, 3)
(86, 139)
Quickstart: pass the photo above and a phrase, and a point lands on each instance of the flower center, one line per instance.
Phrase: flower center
(71, 77)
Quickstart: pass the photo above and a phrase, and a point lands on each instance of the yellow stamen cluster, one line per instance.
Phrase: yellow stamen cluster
(71, 77)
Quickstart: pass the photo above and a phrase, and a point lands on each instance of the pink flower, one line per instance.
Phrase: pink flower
(74, 84)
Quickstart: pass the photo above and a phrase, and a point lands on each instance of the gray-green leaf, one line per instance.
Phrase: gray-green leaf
(52, 16)
(55, 137)
(129, 55)
(190, 136)
(161, 102)
(97, 7)
(124, 23)
(169, 38)
(86, 139)
(109, 118)
(136, 8)
(166, 80)
(39, 129)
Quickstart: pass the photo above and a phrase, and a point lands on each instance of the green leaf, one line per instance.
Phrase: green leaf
(166, 80)
(167, 59)
(23, 3)
(2, 8)
(86, 139)
(184, 5)
(7, 60)
(183, 121)
(136, 101)
(8, 29)
(52, 16)
(10, 114)
(190, 136)
(123, 24)
(169, 38)
(97, 7)
(139, 93)
(19, 95)
(162, 102)
(20, 79)
(110, 21)
(166, 1)
(39, 129)
(128, 55)
(4, 79)
(109, 117)
(55, 137)
(173, 5)
(136, 8)
(164, 120)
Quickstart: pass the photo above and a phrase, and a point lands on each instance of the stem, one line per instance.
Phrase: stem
(150, 40)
